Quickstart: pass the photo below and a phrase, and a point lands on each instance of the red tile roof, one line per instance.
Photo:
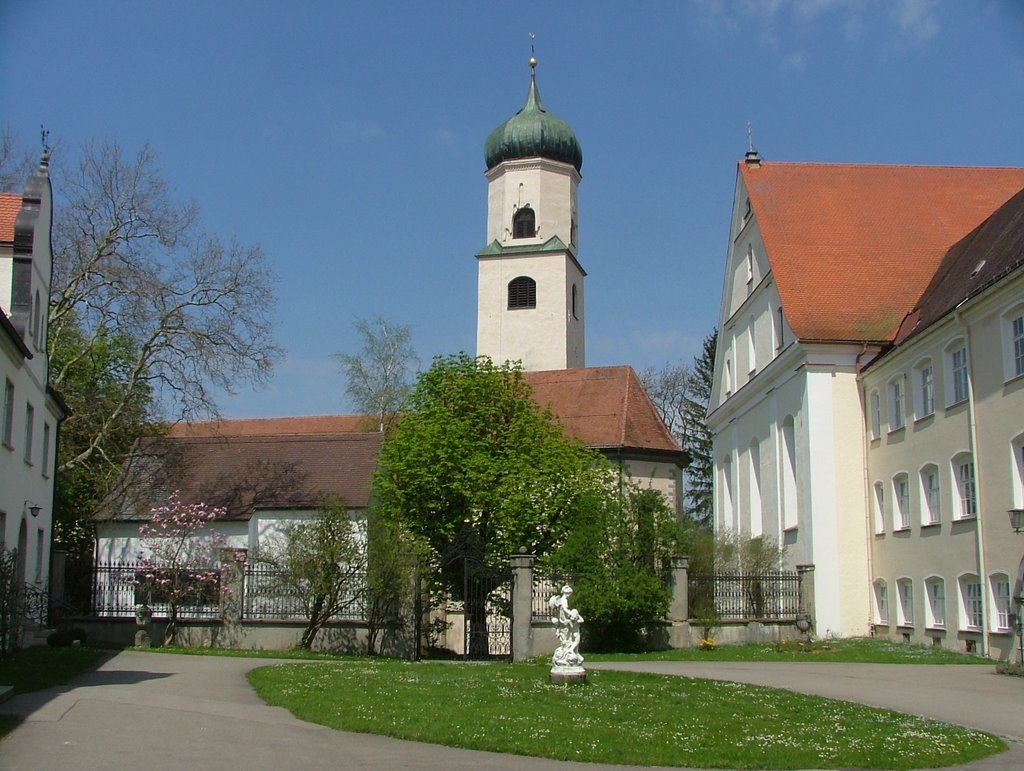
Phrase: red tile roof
(852, 247)
(994, 250)
(246, 473)
(606, 407)
(291, 462)
(603, 406)
(10, 205)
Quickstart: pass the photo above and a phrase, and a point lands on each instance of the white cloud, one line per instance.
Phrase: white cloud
(445, 138)
(915, 20)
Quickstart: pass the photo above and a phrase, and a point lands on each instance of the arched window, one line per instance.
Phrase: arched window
(935, 607)
(575, 315)
(931, 509)
(905, 608)
(524, 223)
(881, 602)
(522, 293)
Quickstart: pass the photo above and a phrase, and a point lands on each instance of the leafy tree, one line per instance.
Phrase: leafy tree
(700, 473)
(476, 469)
(180, 559)
(379, 378)
(322, 562)
(618, 553)
(391, 570)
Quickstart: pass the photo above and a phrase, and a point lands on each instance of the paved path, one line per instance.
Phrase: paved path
(163, 711)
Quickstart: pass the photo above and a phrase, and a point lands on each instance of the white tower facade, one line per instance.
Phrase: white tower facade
(530, 305)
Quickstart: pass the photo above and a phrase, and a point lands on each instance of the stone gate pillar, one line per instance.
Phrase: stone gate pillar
(522, 604)
(806, 576)
(232, 587)
(679, 607)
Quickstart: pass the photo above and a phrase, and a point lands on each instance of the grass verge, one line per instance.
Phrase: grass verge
(669, 721)
(849, 650)
(33, 669)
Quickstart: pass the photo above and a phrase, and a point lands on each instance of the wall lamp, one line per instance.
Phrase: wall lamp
(1017, 520)
(33, 508)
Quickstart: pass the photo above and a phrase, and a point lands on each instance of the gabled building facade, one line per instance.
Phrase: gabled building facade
(824, 263)
(31, 412)
(945, 450)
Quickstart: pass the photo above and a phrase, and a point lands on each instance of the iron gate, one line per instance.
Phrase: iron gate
(487, 607)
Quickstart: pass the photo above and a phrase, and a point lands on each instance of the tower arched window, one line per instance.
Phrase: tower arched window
(522, 293)
(524, 223)
(575, 315)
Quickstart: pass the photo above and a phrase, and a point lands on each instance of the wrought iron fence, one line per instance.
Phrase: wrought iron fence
(544, 586)
(768, 596)
(118, 587)
(267, 597)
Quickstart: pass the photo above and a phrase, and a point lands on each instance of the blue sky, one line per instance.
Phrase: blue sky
(347, 138)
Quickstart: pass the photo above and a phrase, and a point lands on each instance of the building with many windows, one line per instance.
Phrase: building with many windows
(31, 412)
(846, 410)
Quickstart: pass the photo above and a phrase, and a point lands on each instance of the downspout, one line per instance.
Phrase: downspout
(972, 438)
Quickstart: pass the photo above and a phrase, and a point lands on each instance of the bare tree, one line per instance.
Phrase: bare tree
(133, 265)
(379, 377)
(15, 164)
(680, 394)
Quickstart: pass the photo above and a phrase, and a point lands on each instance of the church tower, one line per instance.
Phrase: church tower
(530, 281)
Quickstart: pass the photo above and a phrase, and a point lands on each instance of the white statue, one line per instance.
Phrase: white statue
(567, 626)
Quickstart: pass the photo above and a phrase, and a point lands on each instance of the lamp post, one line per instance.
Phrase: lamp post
(1017, 523)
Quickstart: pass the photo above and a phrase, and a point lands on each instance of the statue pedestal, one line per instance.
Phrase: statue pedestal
(561, 675)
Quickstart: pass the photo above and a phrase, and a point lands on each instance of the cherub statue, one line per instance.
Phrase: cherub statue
(567, 627)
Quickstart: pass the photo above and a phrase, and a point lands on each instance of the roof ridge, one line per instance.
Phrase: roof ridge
(884, 165)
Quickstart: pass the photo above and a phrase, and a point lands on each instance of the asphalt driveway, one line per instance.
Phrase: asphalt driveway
(164, 711)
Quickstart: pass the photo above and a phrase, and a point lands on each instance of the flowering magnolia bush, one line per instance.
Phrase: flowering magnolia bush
(180, 562)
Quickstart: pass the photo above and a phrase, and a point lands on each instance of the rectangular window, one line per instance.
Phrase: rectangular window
(879, 508)
(927, 391)
(959, 374)
(896, 404)
(1001, 598)
(930, 485)
(8, 426)
(901, 488)
(876, 415)
(972, 603)
(40, 550)
(30, 423)
(1018, 345)
(46, 450)
(968, 493)
(937, 602)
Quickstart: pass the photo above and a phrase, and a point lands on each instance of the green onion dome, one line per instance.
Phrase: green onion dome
(533, 132)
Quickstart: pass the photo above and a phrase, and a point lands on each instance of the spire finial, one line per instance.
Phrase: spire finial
(751, 158)
(533, 56)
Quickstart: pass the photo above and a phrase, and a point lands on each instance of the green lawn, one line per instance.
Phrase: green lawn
(618, 717)
(857, 650)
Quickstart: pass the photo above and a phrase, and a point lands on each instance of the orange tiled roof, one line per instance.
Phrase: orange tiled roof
(852, 246)
(605, 407)
(10, 205)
